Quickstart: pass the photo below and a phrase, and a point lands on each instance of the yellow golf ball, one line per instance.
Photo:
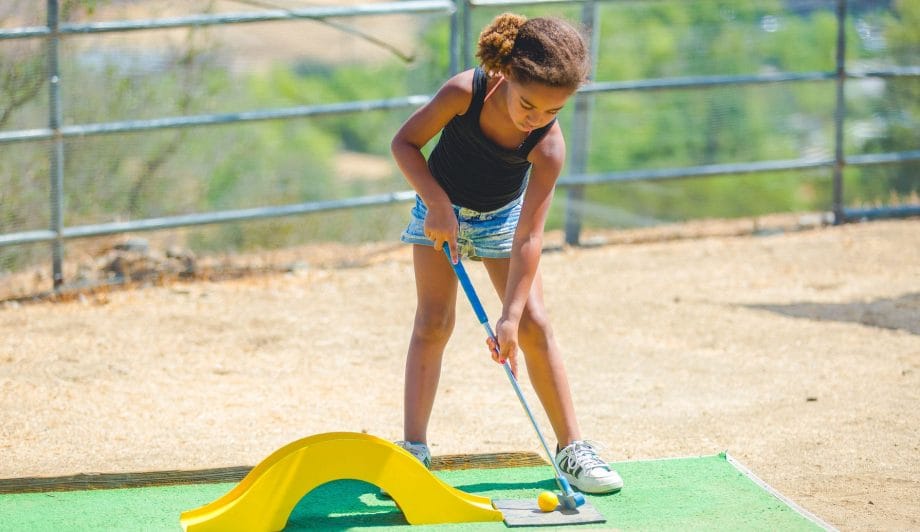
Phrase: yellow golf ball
(547, 501)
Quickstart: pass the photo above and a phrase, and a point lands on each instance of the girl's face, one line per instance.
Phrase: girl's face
(534, 105)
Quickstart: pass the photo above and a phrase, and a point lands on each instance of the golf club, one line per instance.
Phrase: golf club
(569, 498)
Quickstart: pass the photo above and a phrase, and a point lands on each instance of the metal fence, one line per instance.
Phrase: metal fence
(460, 15)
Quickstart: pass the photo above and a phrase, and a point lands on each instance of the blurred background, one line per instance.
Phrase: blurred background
(280, 103)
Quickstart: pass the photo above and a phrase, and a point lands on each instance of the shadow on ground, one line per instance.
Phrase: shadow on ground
(344, 504)
(901, 313)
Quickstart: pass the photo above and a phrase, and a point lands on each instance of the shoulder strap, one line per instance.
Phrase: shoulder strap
(535, 137)
(480, 82)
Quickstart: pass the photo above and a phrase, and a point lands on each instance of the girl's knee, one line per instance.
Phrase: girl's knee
(433, 324)
(535, 329)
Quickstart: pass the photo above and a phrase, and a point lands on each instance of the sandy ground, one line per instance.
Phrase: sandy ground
(796, 351)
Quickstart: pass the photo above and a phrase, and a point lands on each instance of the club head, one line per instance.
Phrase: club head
(568, 498)
(572, 500)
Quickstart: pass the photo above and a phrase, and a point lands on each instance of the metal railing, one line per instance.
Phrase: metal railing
(460, 44)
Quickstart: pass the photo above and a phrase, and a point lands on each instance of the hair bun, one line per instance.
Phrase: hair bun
(497, 40)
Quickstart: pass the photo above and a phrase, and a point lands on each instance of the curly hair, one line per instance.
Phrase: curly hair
(549, 51)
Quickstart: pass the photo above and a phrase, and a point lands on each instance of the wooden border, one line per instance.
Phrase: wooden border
(98, 481)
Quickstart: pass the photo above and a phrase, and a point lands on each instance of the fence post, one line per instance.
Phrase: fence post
(57, 146)
(465, 37)
(581, 130)
(840, 112)
(453, 39)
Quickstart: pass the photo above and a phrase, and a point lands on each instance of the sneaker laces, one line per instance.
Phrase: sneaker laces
(584, 454)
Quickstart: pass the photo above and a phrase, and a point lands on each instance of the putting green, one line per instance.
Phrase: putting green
(704, 493)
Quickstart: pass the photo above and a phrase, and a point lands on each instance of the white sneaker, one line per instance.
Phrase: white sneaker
(584, 469)
(418, 450)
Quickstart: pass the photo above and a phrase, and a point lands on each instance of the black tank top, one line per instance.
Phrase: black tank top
(476, 172)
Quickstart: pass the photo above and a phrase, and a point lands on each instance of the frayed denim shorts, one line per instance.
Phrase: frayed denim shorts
(482, 235)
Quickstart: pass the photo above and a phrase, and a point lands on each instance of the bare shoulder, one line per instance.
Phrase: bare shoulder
(457, 92)
(462, 82)
(452, 99)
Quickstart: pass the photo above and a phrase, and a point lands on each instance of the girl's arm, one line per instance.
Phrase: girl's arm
(452, 99)
(547, 157)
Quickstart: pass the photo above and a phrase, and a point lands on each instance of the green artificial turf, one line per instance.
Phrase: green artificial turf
(704, 493)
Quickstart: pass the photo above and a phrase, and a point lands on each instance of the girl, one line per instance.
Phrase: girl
(485, 190)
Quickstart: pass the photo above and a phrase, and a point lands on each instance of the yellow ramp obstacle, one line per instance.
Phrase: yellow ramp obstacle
(265, 498)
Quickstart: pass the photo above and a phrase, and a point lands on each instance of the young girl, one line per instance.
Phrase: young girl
(485, 190)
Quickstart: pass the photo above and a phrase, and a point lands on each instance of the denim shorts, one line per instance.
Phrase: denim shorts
(482, 235)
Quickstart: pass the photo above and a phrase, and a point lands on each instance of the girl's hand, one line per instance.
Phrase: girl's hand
(507, 334)
(440, 227)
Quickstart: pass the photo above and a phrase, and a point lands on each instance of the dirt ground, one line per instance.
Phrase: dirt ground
(798, 351)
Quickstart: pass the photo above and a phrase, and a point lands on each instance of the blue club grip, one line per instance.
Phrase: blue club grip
(467, 287)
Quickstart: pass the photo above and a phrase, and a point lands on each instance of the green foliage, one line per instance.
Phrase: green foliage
(898, 109)
(316, 84)
(690, 127)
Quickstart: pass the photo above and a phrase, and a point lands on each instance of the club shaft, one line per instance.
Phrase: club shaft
(473, 298)
(533, 421)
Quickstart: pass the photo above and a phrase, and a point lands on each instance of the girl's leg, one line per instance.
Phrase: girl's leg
(544, 360)
(436, 290)
(577, 460)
